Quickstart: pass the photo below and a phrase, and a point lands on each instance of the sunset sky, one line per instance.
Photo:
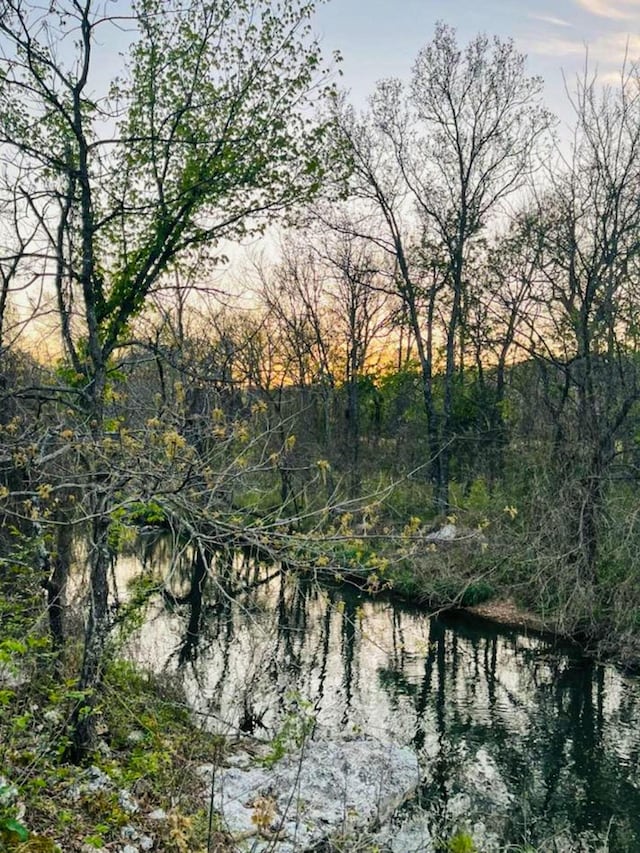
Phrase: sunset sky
(380, 38)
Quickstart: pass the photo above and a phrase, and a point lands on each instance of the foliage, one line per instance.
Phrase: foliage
(296, 727)
(461, 842)
(150, 747)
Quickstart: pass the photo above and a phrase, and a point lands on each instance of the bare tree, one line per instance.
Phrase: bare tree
(588, 228)
(437, 161)
(358, 303)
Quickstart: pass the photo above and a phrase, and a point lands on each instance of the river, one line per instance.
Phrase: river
(560, 732)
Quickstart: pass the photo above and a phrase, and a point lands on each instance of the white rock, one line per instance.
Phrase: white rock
(240, 759)
(127, 802)
(447, 533)
(129, 832)
(104, 749)
(146, 842)
(157, 814)
(53, 717)
(12, 677)
(330, 787)
(135, 736)
(413, 837)
(94, 780)
(8, 792)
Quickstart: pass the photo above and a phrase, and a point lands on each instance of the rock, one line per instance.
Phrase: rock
(414, 836)
(127, 803)
(157, 814)
(104, 749)
(146, 842)
(129, 832)
(12, 677)
(447, 533)
(97, 780)
(240, 759)
(8, 792)
(328, 787)
(52, 717)
(135, 736)
(452, 533)
(129, 848)
(93, 780)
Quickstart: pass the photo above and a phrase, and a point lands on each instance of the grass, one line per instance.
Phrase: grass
(147, 755)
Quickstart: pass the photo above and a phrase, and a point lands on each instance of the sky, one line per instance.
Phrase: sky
(381, 38)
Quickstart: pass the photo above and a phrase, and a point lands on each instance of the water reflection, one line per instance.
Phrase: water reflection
(563, 731)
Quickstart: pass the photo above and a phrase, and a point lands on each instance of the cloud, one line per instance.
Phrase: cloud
(613, 9)
(557, 47)
(610, 78)
(549, 19)
(608, 51)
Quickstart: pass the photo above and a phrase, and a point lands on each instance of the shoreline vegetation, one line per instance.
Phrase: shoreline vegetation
(455, 569)
(139, 786)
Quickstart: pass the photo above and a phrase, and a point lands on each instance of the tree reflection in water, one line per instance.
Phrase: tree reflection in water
(563, 731)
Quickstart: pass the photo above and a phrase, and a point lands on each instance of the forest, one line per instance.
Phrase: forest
(423, 377)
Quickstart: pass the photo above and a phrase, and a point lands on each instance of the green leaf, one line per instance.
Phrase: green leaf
(17, 829)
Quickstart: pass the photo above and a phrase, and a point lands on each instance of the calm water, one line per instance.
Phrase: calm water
(563, 732)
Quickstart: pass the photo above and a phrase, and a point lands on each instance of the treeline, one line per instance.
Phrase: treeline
(449, 330)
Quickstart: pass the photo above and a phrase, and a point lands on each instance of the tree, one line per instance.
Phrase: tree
(454, 146)
(208, 134)
(328, 302)
(500, 314)
(587, 230)
(358, 309)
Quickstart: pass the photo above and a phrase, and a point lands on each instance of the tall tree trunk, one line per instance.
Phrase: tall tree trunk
(97, 626)
(83, 722)
(57, 584)
(353, 423)
(442, 497)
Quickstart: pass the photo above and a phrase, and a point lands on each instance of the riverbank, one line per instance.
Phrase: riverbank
(138, 790)
(455, 567)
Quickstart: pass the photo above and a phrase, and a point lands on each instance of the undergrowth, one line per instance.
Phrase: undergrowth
(142, 772)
